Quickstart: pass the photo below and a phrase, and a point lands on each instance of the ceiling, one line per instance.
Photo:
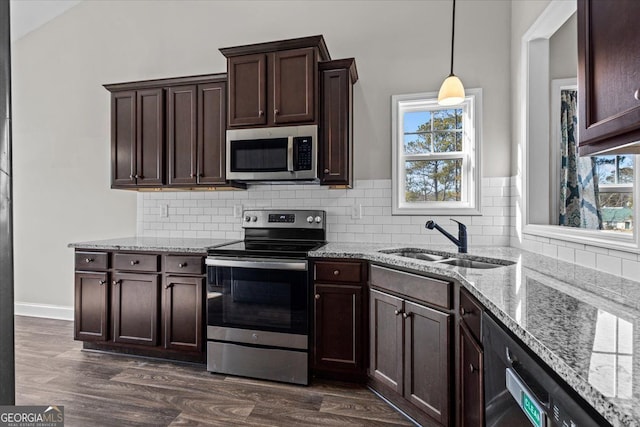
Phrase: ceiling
(28, 15)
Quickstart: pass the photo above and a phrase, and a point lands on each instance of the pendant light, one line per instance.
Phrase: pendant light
(451, 91)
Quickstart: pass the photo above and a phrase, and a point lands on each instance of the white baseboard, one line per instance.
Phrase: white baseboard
(43, 310)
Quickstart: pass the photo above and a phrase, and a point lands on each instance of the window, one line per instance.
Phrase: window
(615, 185)
(435, 155)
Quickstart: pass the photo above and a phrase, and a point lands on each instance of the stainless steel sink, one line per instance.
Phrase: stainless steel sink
(445, 259)
(418, 255)
(469, 263)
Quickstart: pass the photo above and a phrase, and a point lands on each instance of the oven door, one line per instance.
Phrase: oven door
(257, 294)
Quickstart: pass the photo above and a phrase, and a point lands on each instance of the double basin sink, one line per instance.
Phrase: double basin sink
(467, 262)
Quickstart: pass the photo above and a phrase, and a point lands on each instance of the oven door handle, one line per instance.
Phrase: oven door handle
(284, 264)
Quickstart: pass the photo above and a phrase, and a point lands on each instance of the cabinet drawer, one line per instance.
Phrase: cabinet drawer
(426, 289)
(92, 260)
(183, 264)
(336, 271)
(471, 313)
(135, 262)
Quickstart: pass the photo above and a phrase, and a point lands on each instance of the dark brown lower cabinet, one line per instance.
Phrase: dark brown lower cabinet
(183, 318)
(135, 308)
(338, 329)
(410, 356)
(91, 319)
(471, 380)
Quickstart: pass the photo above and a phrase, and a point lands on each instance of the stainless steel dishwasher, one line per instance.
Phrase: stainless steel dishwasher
(521, 391)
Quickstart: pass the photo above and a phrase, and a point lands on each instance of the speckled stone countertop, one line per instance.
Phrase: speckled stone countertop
(155, 244)
(583, 323)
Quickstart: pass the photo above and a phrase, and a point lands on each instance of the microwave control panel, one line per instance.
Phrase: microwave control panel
(303, 152)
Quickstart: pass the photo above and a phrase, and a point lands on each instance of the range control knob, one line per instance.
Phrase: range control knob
(247, 218)
(309, 219)
(254, 218)
(318, 220)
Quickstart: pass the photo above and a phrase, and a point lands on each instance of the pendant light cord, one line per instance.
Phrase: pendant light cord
(453, 32)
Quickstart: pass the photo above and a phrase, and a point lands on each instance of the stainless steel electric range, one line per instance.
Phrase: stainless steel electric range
(258, 296)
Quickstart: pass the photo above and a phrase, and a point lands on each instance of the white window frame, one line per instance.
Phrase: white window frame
(534, 83)
(470, 155)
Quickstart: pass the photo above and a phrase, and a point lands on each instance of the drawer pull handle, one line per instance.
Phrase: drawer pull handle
(336, 272)
(182, 265)
(407, 315)
(134, 262)
(317, 296)
(102, 282)
(397, 312)
(88, 260)
(472, 368)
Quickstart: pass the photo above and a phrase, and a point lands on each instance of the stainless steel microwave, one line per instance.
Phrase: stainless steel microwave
(287, 153)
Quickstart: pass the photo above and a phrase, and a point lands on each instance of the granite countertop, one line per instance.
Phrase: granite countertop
(156, 244)
(585, 324)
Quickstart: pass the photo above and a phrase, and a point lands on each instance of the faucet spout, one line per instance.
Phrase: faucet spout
(460, 242)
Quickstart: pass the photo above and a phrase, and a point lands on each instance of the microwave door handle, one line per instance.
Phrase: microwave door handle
(290, 154)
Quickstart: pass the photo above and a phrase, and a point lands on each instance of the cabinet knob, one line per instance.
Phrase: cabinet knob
(136, 176)
(260, 113)
(336, 272)
(193, 175)
(131, 177)
(134, 262)
(276, 111)
(464, 311)
(636, 95)
(102, 282)
(182, 265)
(397, 312)
(317, 296)
(472, 368)
(326, 171)
(116, 282)
(88, 260)
(407, 315)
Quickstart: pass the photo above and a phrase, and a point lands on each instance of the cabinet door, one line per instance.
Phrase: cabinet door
(149, 137)
(135, 308)
(247, 76)
(336, 161)
(90, 314)
(212, 119)
(338, 328)
(123, 138)
(471, 381)
(294, 86)
(183, 318)
(608, 77)
(426, 353)
(386, 340)
(182, 134)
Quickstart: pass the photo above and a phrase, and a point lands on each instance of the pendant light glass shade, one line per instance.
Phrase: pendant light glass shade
(452, 91)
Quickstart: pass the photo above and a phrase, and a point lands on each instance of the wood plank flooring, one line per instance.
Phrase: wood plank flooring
(100, 389)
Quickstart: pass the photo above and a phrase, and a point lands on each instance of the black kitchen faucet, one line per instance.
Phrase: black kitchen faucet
(460, 242)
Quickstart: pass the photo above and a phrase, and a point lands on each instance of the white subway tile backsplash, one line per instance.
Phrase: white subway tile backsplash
(609, 264)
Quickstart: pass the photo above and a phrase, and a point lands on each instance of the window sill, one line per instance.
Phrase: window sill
(601, 239)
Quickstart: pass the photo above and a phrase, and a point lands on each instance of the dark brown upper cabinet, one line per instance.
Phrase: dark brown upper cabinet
(274, 83)
(188, 114)
(137, 138)
(336, 121)
(196, 125)
(608, 77)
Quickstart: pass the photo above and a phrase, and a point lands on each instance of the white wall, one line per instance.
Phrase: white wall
(563, 51)
(61, 111)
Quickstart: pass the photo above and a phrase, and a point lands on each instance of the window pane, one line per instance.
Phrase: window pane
(625, 169)
(414, 120)
(617, 211)
(433, 180)
(606, 166)
(447, 119)
(417, 144)
(445, 142)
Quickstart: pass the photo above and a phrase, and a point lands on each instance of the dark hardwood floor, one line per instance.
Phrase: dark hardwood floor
(100, 389)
